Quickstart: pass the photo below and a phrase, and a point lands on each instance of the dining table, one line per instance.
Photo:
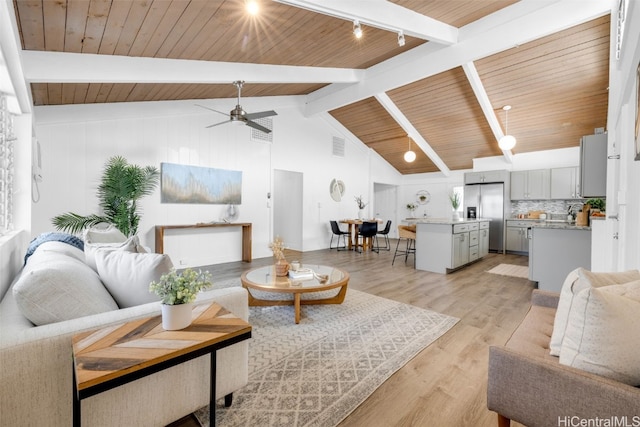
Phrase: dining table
(353, 228)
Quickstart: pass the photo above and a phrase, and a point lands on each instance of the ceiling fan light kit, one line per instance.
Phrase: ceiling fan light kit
(507, 142)
(238, 116)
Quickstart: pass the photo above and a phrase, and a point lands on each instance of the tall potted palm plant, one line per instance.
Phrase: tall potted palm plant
(122, 185)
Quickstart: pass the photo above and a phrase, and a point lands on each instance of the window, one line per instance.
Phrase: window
(7, 138)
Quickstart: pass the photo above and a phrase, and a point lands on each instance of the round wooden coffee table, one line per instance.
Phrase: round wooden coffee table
(265, 279)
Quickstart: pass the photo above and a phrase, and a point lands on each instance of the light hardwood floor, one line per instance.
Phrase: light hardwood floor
(444, 385)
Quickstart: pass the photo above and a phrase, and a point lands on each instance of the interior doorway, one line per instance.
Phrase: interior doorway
(287, 208)
(385, 205)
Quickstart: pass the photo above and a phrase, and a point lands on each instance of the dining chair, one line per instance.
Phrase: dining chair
(385, 233)
(335, 231)
(369, 232)
(407, 232)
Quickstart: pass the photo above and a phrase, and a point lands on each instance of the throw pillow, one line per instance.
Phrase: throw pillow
(108, 234)
(127, 275)
(54, 287)
(576, 281)
(90, 249)
(603, 332)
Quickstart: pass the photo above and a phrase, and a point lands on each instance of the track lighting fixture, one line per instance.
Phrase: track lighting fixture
(507, 142)
(409, 156)
(400, 38)
(357, 29)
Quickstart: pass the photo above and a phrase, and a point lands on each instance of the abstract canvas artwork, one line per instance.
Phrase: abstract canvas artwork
(196, 184)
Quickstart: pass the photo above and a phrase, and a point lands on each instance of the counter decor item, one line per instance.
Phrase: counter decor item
(596, 204)
(454, 198)
(411, 207)
(178, 291)
(281, 265)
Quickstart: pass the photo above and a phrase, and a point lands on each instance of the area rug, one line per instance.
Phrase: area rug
(511, 270)
(317, 372)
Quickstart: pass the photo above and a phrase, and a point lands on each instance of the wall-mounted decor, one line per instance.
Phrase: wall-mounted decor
(423, 197)
(196, 184)
(336, 189)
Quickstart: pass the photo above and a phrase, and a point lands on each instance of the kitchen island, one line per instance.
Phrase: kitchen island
(443, 245)
(557, 248)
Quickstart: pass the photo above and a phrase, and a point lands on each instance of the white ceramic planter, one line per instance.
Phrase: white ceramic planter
(176, 317)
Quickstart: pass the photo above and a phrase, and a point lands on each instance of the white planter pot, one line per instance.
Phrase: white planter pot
(455, 216)
(361, 214)
(175, 317)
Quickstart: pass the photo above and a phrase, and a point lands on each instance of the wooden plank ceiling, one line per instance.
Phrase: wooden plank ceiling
(557, 84)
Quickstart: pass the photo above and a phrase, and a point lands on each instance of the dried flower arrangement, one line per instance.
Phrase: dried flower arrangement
(277, 246)
(360, 202)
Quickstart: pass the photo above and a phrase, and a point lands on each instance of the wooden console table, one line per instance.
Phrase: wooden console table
(246, 234)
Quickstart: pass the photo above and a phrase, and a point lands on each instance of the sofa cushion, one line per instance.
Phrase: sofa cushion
(64, 238)
(54, 287)
(127, 275)
(132, 244)
(576, 281)
(603, 332)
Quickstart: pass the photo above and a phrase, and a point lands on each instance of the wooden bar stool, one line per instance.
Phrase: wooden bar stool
(407, 232)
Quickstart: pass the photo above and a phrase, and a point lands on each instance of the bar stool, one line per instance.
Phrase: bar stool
(407, 232)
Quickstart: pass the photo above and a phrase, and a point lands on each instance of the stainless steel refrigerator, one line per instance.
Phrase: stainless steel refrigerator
(487, 201)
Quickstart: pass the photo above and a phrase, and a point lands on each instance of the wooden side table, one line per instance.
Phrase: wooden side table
(106, 358)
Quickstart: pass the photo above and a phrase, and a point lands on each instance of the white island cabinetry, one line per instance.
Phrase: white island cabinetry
(443, 245)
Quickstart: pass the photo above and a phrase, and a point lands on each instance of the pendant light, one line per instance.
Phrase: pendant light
(409, 156)
(507, 142)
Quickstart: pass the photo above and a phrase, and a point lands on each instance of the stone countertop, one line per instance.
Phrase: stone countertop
(444, 220)
(560, 225)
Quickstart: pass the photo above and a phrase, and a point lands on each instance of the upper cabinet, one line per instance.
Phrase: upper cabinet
(593, 165)
(530, 185)
(565, 183)
(486, 177)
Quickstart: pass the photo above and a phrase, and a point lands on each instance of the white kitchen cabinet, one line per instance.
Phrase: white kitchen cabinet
(460, 249)
(517, 236)
(593, 162)
(565, 183)
(486, 177)
(531, 185)
(483, 239)
(556, 252)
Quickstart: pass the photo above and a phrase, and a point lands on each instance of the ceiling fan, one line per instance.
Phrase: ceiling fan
(239, 116)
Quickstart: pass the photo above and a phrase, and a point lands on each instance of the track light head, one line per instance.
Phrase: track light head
(357, 29)
(400, 38)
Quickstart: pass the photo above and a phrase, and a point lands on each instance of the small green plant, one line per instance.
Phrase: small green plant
(411, 207)
(180, 288)
(596, 204)
(454, 198)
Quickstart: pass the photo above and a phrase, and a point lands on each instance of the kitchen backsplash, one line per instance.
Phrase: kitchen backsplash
(551, 207)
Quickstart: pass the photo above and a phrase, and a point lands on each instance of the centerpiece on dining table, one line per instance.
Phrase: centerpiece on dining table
(361, 205)
(281, 265)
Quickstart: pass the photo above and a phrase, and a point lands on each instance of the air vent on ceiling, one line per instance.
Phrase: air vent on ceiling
(259, 136)
(338, 146)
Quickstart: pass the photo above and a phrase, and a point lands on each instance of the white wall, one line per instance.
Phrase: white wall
(77, 140)
(623, 196)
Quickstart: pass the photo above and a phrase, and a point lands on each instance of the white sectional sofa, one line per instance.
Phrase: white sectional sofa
(36, 361)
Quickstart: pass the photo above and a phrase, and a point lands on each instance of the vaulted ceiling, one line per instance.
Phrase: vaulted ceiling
(462, 61)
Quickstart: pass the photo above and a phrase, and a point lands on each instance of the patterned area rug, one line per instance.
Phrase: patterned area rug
(511, 270)
(317, 372)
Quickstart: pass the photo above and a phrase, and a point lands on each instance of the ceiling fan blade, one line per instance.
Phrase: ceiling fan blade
(260, 114)
(218, 124)
(211, 109)
(257, 126)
